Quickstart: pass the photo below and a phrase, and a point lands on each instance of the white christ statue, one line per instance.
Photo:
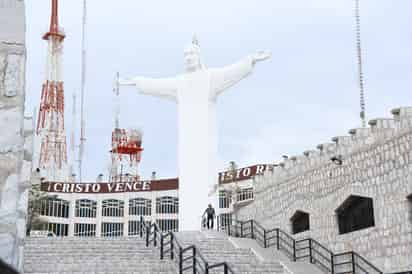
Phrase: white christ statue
(195, 93)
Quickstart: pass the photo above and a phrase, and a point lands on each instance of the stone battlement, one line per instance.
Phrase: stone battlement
(371, 164)
(359, 139)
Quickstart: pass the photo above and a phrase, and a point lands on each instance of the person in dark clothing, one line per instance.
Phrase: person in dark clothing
(210, 214)
(6, 269)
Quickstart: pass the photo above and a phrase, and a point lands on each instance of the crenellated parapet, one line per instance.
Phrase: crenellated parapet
(403, 118)
(358, 139)
(369, 164)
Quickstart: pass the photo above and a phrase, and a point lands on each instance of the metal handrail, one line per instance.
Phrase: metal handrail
(271, 230)
(258, 225)
(201, 257)
(226, 267)
(366, 262)
(314, 250)
(152, 232)
(321, 246)
(287, 235)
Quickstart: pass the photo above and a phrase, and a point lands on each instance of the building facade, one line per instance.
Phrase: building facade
(114, 208)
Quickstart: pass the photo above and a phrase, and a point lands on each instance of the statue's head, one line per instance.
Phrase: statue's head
(192, 56)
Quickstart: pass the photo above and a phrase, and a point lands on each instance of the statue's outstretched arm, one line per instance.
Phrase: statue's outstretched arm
(163, 87)
(224, 78)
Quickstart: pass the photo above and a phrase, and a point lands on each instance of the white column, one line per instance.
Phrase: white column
(99, 217)
(126, 215)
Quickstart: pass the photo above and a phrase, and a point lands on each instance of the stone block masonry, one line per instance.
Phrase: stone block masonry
(376, 163)
(15, 159)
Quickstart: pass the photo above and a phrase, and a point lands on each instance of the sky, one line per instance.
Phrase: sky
(303, 96)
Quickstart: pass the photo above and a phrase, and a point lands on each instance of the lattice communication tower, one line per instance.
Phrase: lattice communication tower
(50, 123)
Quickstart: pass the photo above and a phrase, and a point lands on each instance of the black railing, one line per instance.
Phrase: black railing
(187, 258)
(341, 263)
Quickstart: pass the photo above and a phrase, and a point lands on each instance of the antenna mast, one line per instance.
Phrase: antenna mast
(126, 147)
(83, 82)
(360, 64)
(50, 121)
(73, 138)
(117, 102)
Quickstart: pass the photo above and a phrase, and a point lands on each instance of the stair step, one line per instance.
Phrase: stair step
(123, 255)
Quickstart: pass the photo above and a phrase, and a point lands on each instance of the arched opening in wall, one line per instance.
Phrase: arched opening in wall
(355, 213)
(300, 222)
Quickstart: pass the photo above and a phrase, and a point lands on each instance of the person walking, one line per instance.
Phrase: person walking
(210, 215)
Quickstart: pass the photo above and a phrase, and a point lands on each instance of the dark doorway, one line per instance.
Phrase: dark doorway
(300, 222)
(355, 213)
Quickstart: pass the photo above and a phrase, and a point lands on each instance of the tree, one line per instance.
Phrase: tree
(36, 196)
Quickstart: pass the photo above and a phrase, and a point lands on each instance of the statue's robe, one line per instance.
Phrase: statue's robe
(196, 94)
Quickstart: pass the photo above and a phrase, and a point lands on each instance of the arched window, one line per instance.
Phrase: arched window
(140, 206)
(85, 230)
(245, 194)
(57, 229)
(225, 219)
(134, 227)
(224, 199)
(300, 222)
(54, 207)
(167, 205)
(112, 229)
(355, 213)
(112, 208)
(86, 208)
(168, 224)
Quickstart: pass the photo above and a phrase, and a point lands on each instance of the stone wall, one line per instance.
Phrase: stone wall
(13, 159)
(376, 163)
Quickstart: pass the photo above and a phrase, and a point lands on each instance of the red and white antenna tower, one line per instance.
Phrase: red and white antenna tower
(126, 149)
(50, 122)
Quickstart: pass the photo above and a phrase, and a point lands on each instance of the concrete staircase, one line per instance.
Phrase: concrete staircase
(216, 247)
(271, 253)
(93, 255)
(73, 255)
